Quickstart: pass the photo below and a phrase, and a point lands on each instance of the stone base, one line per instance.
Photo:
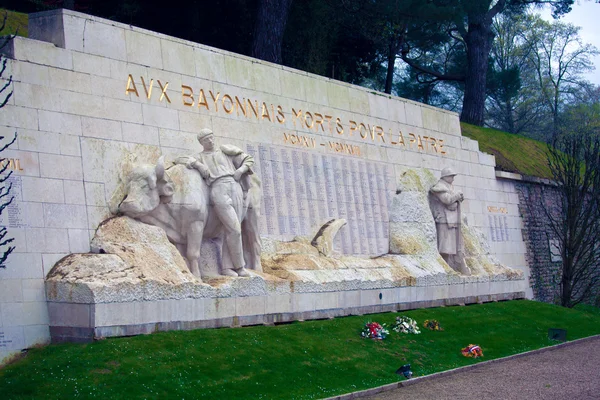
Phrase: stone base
(77, 322)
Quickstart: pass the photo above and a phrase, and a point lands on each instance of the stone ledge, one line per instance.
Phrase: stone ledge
(83, 334)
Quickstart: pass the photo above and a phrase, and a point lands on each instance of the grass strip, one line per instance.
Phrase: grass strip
(513, 153)
(304, 360)
(16, 23)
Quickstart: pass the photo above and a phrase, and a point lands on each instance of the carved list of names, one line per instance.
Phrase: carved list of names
(303, 189)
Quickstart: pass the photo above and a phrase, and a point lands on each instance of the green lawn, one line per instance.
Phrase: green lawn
(15, 23)
(513, 153)
(303, 360)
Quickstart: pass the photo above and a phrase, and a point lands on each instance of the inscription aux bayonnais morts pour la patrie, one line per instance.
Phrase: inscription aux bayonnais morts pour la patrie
(217, 102)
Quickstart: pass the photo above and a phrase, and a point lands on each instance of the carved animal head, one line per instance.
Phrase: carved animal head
(147, 187)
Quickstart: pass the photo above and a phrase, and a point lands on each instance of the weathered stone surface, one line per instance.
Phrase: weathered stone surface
(412, 228)
(144, 247)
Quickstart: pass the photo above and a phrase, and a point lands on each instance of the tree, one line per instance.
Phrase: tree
(558, 57)
(5, 189)
(472, 26)
(574, 160)
(269, 28)
(513, 103)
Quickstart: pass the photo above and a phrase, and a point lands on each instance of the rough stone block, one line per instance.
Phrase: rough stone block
(292, 85)
(302, 302)
(143, 49)
(11, 291)
(178, 57)
(79, 241)
(348, 299)
(95, 215)
(90, 64)
(80, 104)
(413, 114)
(101, 128)
(19, 117)
(315, 90)
(277, 304)
(65, 216)
(30, 73)
(47, 240)
(252, 305)
(160, 117)
(74, 192)
(36, 335)
(106, 314)
(33, 214)
(238, 71)
(326, 301)
(59, 122)
(23, 266)
(105, 40)
(38, 141)
(69, 80)
(121, 110)
(43, 53)
(220, 307)
(209, 64)
(193, 121)
(33, 290)
(95, 195)
(70, 315)
(60, 167)
(42, 189)
(266, 78)
(137, 133)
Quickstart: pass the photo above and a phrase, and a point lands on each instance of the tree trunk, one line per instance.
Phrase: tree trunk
(479, 41)
(389, 79)
(269, 29)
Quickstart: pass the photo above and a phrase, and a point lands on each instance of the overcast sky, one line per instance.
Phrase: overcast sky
(586, 14)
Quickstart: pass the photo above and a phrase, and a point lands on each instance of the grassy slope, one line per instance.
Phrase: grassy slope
(305, 360)
(513, 153)
(15, 23)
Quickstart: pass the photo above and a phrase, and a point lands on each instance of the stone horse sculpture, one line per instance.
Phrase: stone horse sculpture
(176, 199)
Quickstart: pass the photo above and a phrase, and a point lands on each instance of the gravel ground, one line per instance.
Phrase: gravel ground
(571, 372)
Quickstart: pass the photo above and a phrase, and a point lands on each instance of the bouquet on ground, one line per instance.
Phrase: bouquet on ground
(374, 330)
(472, 350)
(406, 325)
(433, 325)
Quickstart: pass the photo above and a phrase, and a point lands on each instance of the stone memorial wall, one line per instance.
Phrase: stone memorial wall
(91, 95)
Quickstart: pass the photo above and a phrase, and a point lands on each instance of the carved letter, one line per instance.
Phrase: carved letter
(163, 93)
(441, 146)
(339, 128)
(353, 127)
(230, 104)
(148, 90)
(215, 99)
(240, 105)
(189, 95)
(280, 115)
(131, 86)
(296, 115)
(202, 100)
(265, 112)
(312, 121)
(360, 130)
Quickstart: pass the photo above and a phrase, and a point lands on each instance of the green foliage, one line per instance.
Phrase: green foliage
(305, 360)
(514, 153)
(16, 23)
